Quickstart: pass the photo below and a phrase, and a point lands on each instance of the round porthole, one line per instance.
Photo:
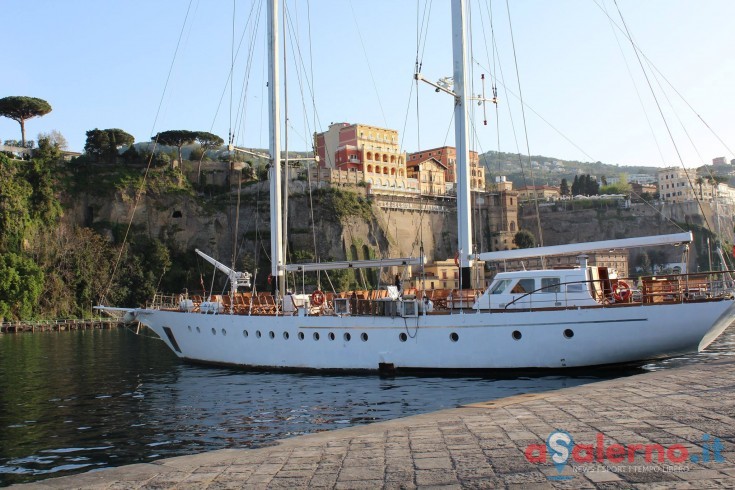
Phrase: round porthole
(301, 335)
(214, 332)
(402, 337)
(257, 333)
(224, 332)
(347, 336)
(190, 328)
(244, 333)
(331, 335)
(569, 333)
(316, 335)
(285, 335)
(364, 337)
(271, 334)
(198, 331)
(453, 337)
(517, 335)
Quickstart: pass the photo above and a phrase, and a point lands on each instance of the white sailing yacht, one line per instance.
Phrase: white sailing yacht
(553, 318)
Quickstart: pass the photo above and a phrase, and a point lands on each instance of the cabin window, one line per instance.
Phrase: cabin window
(524, 286)
(551, 285)
(500, 286)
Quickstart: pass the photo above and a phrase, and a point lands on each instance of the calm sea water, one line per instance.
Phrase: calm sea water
(72, 402)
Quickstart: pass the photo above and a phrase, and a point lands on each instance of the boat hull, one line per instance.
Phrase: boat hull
(464, 340)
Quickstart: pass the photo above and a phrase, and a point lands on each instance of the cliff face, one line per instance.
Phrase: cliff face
(182, 222)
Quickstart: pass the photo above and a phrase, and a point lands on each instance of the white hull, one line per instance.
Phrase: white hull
(483, 340)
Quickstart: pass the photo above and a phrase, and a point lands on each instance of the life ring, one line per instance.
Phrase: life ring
(621, 292)
(317, 298)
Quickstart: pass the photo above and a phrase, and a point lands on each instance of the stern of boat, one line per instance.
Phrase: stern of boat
(725, 320)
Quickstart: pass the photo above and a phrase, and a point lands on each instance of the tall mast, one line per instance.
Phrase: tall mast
(274, 104)
(464, 205)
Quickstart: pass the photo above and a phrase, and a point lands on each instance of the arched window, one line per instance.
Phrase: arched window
(370, 168)
(512, 226)
(392, 159)
(400, 172)
(392, 171)
(385, 158)
(385, 170)
(377, 157)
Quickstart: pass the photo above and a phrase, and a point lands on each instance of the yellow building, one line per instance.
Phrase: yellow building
(444, 274)
(371, 152)
(447, 155)
(540, 192)
(675, 185)
(430, 176)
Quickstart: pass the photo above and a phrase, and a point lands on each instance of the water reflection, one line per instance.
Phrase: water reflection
(75, 401)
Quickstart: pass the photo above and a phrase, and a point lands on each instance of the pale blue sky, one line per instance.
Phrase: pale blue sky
(104, 64)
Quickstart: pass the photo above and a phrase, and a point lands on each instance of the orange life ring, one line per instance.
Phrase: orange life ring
(317, 298)
(621, 292)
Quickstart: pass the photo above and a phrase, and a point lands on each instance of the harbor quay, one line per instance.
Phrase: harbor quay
(673, 428)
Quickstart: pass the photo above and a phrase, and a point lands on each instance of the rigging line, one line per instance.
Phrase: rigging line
(666, 123)
(525, 129)
(367, 62)
(508, 91)
(232, 66)
(495, 92)
(230, 73)
(635, 87)
(311, 65)
(299, 77)
(639, 50)
(243, 101)
(298, 55)
(141, 187)
(681, 123)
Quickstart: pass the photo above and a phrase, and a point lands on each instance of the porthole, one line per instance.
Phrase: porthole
(301, 335)
(517, 335)
(257, 333)
(214, 331)
(271, 334)
(347, 337)
(453, 337)
(190, 328)
(198, 331)
(331, 335)
(569, 333)
(285, 335)
(316, 335)
(403, 337)
(364, 337)
(244, 333)
(224, 332)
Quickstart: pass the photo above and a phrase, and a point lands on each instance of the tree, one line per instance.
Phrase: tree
(104, 144)
(575, 186)
(54, 138)
(21, 283)
(564, 187)
(207, 141)
(524, 239)
(644, 262)
(20, 108)
(700, 183)
(177, 138)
